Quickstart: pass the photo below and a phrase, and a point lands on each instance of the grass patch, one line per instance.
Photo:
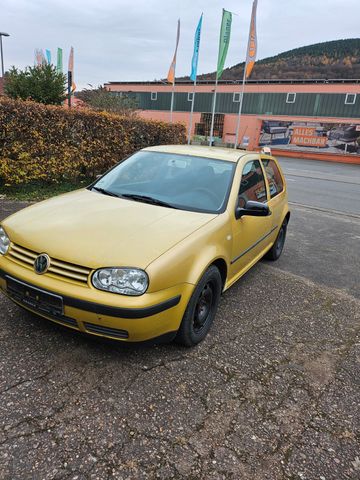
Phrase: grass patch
(40, 191)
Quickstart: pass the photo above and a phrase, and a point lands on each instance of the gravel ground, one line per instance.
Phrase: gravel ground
(273, 392)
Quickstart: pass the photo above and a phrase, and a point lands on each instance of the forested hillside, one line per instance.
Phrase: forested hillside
(335, 59)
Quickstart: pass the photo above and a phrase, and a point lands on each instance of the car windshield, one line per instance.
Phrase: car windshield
(170, 180)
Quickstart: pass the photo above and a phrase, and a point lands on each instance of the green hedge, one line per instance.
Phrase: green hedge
(53, 144)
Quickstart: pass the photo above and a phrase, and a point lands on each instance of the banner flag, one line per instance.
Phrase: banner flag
(252, 44)
(38, 57)
(225, 33)
(48, 56)
(71, 69)
(195, 58)
(171, 74)
(59, 62)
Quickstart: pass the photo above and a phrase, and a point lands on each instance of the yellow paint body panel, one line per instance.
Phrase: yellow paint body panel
(174, 247)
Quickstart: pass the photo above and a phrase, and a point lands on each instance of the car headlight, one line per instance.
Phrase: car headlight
(126, 281)
(4, 242)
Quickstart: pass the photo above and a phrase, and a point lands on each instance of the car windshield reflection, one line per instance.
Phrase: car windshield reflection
(170, 180)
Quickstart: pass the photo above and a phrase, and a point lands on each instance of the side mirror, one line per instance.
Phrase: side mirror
(253, 209)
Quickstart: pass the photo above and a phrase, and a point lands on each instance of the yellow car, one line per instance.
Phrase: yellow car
(146, 251)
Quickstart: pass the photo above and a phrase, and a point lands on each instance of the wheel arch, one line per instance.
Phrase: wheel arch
(221, 265)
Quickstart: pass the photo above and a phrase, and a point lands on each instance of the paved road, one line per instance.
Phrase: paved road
(328, 185)
(272, 394)
(324, 248)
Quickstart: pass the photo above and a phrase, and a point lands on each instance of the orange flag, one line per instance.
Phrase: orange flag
(171, 74)
(252, 44)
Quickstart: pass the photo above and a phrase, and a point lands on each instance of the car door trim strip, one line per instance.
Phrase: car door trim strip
(253, 245)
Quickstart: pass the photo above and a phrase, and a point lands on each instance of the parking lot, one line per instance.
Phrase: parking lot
(272, 393)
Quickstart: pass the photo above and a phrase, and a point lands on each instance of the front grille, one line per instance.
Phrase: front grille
(58, 269)
(109, 332)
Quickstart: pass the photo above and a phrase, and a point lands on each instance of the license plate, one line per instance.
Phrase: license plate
(34, 298)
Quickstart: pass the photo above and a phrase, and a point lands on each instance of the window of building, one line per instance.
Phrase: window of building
(350, 99)
(290, 98)
(252, 186)
(190, 96)
(236, 97)
(153, 96)
(274, 177)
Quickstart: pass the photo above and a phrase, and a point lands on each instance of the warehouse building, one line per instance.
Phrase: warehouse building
(305, 118)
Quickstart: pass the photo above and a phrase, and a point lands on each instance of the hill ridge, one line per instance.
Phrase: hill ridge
(332, 59)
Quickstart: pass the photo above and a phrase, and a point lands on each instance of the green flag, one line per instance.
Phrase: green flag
(59, 63)
(224, 41)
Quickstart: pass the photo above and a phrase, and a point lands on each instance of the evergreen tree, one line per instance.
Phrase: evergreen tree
(43, 84)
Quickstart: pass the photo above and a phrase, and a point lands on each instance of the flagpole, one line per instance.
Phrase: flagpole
(171, 74)
(191, 112)
(213, 112)
(193, 74)
(252, 31)
(225, 32)
(240, 107)
(69, 87)
(172, 102)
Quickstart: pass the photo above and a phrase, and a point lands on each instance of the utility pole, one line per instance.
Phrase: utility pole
(2, 34)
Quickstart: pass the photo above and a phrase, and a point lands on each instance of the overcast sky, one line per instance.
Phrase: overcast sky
(120, 40)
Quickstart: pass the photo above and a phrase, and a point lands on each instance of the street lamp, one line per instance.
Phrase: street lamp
(2, 34)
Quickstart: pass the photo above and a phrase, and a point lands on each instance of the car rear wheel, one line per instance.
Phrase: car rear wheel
(201, 309)
(276, 250)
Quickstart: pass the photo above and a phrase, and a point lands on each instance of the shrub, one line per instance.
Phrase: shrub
(103, 100)
(53, 144)
(42, 84)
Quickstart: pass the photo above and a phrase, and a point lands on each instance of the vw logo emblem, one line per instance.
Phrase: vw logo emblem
(42, 264)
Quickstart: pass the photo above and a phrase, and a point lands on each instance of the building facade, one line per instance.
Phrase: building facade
(302, 118)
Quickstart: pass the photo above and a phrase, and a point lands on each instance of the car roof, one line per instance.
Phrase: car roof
(218, 153)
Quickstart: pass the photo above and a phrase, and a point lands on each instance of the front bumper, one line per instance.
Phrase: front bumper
(130, 319)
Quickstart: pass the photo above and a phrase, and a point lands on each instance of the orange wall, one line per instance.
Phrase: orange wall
(250, 126)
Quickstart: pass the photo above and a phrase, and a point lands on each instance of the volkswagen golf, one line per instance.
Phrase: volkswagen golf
(146, 251)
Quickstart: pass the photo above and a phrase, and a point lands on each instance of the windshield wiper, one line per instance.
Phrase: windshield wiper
(105, 192)
(146, 199)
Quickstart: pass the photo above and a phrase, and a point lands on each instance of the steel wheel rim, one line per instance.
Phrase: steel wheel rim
(203, 307)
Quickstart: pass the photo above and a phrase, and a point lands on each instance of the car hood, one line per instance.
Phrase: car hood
(93, 230)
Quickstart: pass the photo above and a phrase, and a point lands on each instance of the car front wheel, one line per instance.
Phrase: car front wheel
(201, 309)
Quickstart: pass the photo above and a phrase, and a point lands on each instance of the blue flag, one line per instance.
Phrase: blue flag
(195, 58)
(48, 56)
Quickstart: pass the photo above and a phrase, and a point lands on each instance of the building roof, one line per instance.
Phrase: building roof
(218, 153)
(249, 82)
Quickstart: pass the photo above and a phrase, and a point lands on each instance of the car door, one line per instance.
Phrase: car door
(250, 234)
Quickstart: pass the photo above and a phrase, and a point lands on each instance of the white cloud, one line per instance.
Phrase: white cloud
(134, 40)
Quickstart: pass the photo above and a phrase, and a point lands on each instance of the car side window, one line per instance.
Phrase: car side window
(252, 185)
(273, 176)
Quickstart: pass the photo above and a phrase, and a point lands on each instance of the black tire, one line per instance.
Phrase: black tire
(201, 309)
(276, 250)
